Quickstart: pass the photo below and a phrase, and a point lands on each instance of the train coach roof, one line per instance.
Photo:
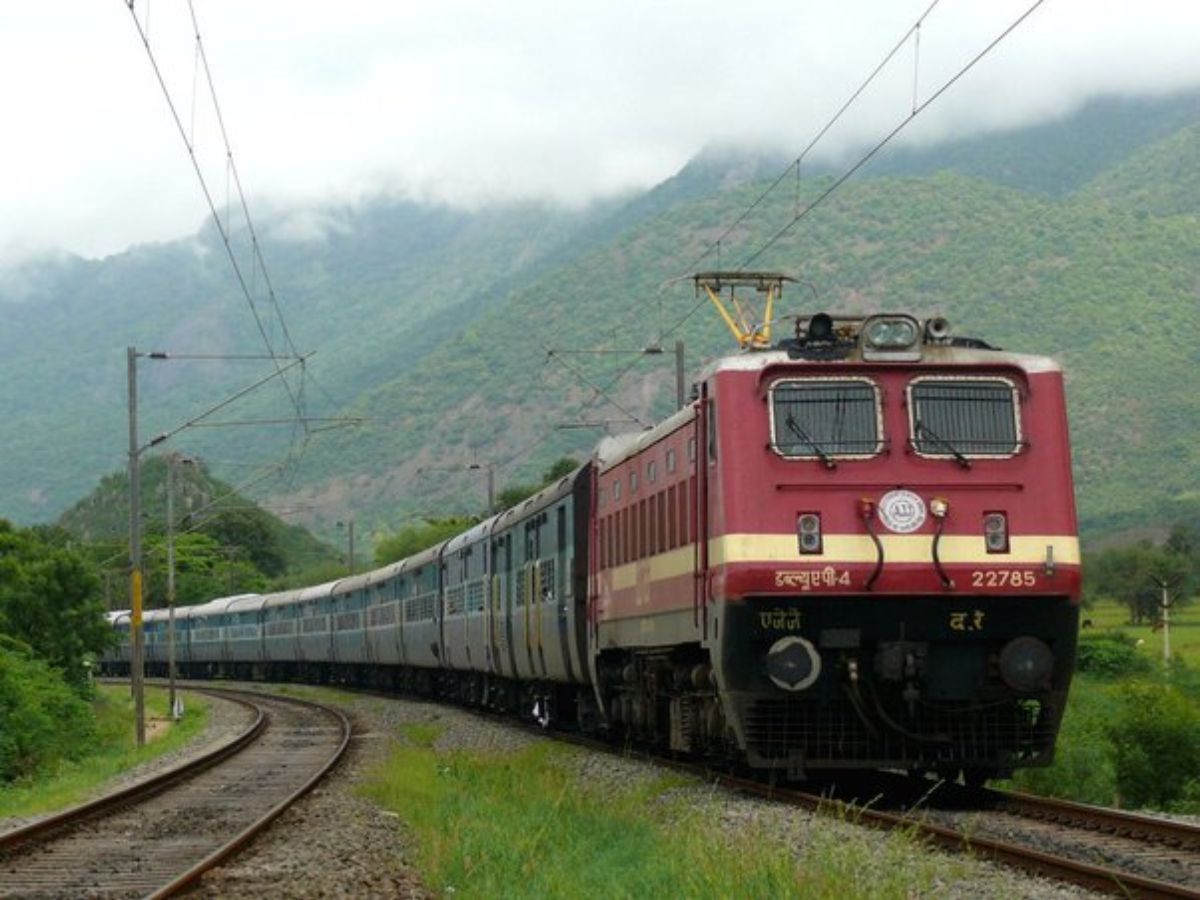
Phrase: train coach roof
(297, 595)
(619, 447)
(391, 570)
(542, 499)
(429, 555)
(351, 583)
(472, 535)
(245, 603)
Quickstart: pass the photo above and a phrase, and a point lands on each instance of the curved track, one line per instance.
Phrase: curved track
(1106, 850)
(159, 836)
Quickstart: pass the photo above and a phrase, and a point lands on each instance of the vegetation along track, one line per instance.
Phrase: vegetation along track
(159, 836)
(1106, 850)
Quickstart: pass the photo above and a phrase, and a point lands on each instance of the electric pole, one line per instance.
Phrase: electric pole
(135, 557)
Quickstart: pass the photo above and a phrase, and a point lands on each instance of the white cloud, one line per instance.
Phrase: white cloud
(467, 100)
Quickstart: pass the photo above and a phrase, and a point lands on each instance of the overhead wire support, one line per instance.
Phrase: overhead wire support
(918, 108)
(795, 164)
(222, 230)
(196, 420)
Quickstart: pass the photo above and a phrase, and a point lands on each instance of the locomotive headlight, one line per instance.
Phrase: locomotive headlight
(892, 338)
(939, 507)
(793, 663)
(995, 532)
(808, 532)
(891, 332)
(1026, 664)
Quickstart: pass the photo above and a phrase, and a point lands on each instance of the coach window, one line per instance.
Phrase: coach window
(825, 419)
(633, 481)
(651, 472)
(670, 461)
(616, 490)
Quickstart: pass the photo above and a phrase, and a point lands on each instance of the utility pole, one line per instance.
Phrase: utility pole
(173, 460)
(135, 557)
(349, 526)
(491, 485)
(1166, 617)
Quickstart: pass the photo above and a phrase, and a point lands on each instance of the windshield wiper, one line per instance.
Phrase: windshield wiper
(954, 451)
(826, 459)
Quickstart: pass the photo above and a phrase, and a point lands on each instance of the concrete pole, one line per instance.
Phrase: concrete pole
(172, 459)
(1166, 618)
(136, 673)
(491, 490)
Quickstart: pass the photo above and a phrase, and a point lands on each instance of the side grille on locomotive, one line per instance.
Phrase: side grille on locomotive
(964, 417)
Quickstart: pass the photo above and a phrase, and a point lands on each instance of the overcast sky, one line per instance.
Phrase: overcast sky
(469, 101)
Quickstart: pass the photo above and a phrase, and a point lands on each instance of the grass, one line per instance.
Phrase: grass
(116, 751)
(525, 824)
(1185, 630)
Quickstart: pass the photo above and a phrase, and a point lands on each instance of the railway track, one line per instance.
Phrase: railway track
(159, 836)
(1105, 850)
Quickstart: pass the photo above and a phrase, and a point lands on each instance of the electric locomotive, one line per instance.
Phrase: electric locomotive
(856, 548)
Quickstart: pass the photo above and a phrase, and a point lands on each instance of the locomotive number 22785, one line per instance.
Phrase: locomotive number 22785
(1004, 578)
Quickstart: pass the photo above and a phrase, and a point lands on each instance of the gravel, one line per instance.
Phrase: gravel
(336, 844)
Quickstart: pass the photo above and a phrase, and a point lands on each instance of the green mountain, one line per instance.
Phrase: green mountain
(205, 507)
(453, 333)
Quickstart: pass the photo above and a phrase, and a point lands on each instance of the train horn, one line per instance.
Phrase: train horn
(937, 329)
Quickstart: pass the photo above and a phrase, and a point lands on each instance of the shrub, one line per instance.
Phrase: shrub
(1156, 746)
(42, 720)
(1112, 654)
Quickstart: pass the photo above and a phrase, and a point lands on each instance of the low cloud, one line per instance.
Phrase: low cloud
(472, 102)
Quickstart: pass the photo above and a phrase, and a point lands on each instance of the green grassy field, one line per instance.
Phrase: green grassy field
(115, 751)
(1185, 630)
(530, 824)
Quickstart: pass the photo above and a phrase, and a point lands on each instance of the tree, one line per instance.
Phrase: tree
(50, 601)
(1133, 576)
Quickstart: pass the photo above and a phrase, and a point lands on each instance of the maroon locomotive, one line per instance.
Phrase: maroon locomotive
(855, 549)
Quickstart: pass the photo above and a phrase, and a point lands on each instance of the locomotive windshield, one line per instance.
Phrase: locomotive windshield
(825, 418)
(961, 417)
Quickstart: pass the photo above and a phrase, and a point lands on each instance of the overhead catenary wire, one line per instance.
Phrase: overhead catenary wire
(222, 230)
(917, 109)
(915, 28)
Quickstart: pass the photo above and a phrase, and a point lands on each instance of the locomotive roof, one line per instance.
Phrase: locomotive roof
(933, 354)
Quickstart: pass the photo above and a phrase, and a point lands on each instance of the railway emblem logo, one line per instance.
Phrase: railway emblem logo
(902, 511)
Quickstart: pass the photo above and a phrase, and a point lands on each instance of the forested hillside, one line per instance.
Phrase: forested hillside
(1078, 239)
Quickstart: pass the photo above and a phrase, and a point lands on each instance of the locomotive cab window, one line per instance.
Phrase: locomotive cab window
(959, 418)
(825, 418)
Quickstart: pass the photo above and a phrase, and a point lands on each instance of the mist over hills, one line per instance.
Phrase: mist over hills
(1079, 238)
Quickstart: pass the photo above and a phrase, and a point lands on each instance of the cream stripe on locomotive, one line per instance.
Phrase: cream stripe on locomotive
(953, 549)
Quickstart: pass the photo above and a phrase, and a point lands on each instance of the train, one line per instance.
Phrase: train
(854, 548)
